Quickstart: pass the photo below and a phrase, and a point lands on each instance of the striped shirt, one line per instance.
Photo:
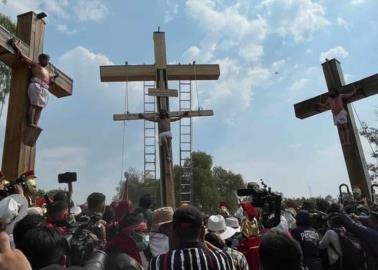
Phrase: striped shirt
(194, 258)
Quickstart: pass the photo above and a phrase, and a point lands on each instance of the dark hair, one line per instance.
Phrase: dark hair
(163, 114)
(187, 223)
(303, 218)
(56, 208)
(335, 221)
(23, 226)
(44, 246)
(278, 251)
(108, 215)
(43, 56)
(333, 92)
(60, 196)
(130, 220)
(95, 199)
(215, 240)
(145, 201)
(333, 208)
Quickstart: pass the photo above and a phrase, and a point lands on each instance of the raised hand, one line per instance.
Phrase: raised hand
(11, 259)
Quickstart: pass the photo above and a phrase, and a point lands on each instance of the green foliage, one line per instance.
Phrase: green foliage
(138, 185)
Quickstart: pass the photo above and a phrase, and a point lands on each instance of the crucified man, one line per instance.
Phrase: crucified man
(38, 90)
(165, 134)
(336, 103)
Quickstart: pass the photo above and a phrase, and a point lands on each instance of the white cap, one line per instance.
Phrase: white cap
(217, 224)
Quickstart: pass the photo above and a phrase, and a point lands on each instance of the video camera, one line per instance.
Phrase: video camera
(26, 180)
(84, 239)
(264, 198)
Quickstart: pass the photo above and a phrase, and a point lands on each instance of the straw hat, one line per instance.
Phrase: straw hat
(217, 224)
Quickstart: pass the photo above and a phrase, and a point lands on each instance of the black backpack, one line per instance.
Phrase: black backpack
(353, 256)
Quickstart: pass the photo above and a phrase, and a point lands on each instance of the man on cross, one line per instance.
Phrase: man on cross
(38, 90)
(165, 134)
(336, 103)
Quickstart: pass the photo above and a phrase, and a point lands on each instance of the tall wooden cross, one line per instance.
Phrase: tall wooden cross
(18, 156)
(161, 73)
(353, 152)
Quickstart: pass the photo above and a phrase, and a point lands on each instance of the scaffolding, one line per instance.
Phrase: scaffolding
(185, 131)
(150, 138)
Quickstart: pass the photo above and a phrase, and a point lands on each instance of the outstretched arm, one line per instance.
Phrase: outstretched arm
(182, 115)
(347, 96)
(323, 105)
(53, 76)
(151, 118)
(16, 46)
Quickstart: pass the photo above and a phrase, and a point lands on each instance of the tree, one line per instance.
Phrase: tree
(139, 185)
(5, 71)
(227, 183)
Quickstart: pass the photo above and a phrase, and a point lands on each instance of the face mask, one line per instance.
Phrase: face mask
(141, 240)
(159, 244)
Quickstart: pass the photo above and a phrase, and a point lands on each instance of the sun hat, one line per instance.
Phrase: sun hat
(217, 224)
(233, 223)
(160, 217)
(12, 209)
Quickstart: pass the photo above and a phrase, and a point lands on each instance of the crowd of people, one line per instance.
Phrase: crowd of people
(54, 233)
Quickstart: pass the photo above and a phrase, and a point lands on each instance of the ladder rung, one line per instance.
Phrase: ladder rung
(186, 125)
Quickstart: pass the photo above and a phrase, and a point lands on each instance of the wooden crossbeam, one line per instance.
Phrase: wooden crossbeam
(135, 116)
(158, 92)
(122, 73)
(60, 87)
(365, 87)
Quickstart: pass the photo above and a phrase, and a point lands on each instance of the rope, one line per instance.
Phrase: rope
(126, 106)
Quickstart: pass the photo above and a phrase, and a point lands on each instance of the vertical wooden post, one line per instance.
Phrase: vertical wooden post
(18, 157)
(353, 153)
(166, 166)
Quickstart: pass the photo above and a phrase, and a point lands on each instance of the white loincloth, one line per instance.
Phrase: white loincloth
(38, 92)
(164, 134)
(341, 118)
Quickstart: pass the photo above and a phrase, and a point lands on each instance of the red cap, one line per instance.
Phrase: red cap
(251, 211)
(40, 202)
(29, 173)
(223, 204)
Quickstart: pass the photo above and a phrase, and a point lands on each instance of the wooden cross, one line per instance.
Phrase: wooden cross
(353, 152)
(19, 156)
(161, 73)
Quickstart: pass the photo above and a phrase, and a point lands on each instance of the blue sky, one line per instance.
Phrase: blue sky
(254, 131)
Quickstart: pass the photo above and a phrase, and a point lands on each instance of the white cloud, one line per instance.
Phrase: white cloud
(90, 10)
(342, 22)
(229, 27)
(337, 52)
(357, 2)
(278, 65)
(298, 19)
(65, 29)
(81, 10)
(172, 8)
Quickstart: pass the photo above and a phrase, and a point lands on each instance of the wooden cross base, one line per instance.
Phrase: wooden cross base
(31, 135)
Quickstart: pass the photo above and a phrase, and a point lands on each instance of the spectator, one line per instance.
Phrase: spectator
(144, 208)
(96, 204)
(57, 215)
(308, 238)
(368, 237)
(44, 246)
(279, 252)
(130, 240)
(331, 242)
(188, 248)
(160, 231)
(23, 226)
(217, 225)
(233, 242)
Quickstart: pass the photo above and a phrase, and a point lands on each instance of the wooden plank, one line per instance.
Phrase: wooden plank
(135, 116)
(7, 53)
(31, 135)
(365, 88)
(130, 73)
(158, 92)
(62, 86)
(160, 51)
(193, 72)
